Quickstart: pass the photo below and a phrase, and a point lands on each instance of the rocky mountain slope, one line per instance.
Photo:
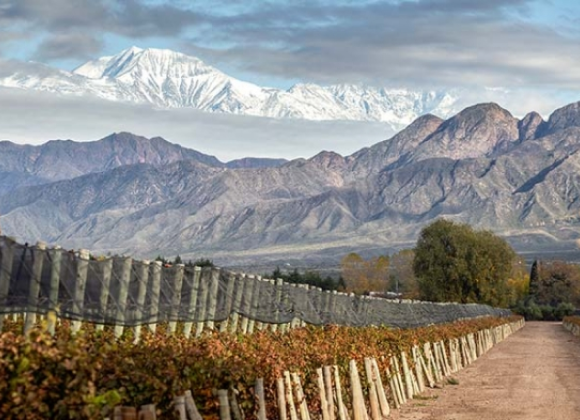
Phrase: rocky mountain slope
(56, 160)
(482, 166)
(168, 79)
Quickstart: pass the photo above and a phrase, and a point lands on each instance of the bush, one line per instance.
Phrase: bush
(564, 309)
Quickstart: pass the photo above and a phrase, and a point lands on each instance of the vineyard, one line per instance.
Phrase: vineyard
(83, 375)
(95, 338)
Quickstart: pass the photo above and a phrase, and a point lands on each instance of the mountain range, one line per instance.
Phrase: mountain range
(128, 194)
(167, 79)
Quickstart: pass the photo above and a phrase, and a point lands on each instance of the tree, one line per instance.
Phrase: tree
(559, 282)
(456, 263)
(402, 278)
(534, 278)
(362, 276)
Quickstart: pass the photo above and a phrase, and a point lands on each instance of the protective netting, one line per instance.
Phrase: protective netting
(122, 291)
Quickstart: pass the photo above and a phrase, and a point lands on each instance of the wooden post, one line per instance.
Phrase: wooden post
(231, 283)
(249, 283)
(142, 273)
(406, 373)
(329, 394)
(341, 408)
(213, 297)
(192, 301)
(190, 407)
(393, 385)
(224, 404)
(281, 399)
(304, 414)
(175, 297)
(202, 301)
(34, 287)
(179, 404)
(148, 412)
(104, 295)
(80, 284)
(261, 399)
(56, 257)
(289, 396)
(6, 262)
(296, 319)
(358, 402)
(272, 302)
(398, 380)
(383, 402)
(237, 305)
(418, 369)
(277, 303)
(155, 294)
(259, 325)
(124, 279)
(322, 394)
(254, 303)
(373, 396)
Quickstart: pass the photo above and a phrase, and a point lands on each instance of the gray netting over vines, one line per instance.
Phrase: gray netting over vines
(122, 291)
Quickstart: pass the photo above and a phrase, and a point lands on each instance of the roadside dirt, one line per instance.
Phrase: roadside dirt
(534, 374)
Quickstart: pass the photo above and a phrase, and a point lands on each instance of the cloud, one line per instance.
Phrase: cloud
(36, 117)
(94, 18)
(411, 43)
(68, 45)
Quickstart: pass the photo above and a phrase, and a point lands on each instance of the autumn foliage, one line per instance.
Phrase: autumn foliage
(83, 376)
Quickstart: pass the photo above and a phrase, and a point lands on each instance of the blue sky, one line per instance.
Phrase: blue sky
(531, 44)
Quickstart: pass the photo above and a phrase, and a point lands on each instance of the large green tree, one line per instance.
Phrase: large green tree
(455, 263)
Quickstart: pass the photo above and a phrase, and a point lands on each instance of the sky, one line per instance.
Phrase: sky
(531, 47)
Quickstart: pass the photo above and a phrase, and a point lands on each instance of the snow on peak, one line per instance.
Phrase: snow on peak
(169, 79)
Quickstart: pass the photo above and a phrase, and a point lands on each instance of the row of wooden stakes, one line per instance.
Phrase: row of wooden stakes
(572, 327)
(408, 375)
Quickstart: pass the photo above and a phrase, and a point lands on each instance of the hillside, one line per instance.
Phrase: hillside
(481, 166)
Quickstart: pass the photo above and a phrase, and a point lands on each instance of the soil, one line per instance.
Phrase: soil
(534, 374)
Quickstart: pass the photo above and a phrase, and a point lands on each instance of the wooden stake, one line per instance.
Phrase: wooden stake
(290, 396)
(281, 399)
(155, 294)
(82, 266)
(175, 297)
(342, 412)
(358, 403)
(124, 279)
(7, 255)
(191, 407)
(179, 404)
(213, 297)
(408, 382)
(383, 402)
(261, 399)
(38, 253)
(224, 404)
(192, 302)
(329, 394)
(142, 274)
(304, 414)
(322, 393)
(373, 397)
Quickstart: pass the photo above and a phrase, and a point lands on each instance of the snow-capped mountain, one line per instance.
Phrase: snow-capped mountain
(168, 79)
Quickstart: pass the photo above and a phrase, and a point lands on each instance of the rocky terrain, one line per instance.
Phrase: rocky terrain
(128, 194)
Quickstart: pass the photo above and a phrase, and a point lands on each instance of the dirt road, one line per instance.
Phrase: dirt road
(534, 374)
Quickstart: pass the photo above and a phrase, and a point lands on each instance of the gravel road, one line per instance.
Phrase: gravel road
(534, 374)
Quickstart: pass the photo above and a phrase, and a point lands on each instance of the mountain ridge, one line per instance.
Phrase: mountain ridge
(169, 79)
(525, 186)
